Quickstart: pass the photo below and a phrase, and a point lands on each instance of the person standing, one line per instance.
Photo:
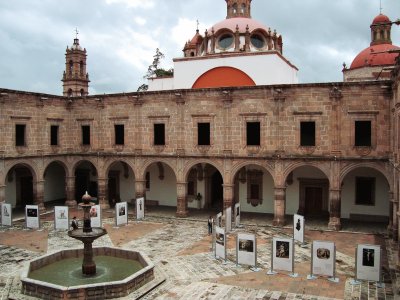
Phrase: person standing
(210, 225)
(74, 223)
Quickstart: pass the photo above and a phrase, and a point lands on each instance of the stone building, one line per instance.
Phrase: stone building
(326, 150)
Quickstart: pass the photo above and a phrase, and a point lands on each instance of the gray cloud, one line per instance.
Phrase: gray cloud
(318, 36)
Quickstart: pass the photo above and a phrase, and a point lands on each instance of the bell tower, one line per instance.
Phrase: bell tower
(380, 30)
(75, 79)
(238, 9)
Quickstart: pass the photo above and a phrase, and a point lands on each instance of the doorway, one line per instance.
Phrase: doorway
(314, 195)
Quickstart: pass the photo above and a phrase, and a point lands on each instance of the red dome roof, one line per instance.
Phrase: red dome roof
(376, 55)
(381, 19)
(241, 22)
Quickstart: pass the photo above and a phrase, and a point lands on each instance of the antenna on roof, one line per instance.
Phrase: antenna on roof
(76, 32)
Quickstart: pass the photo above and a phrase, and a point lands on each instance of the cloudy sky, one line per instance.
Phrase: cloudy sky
(121, 36)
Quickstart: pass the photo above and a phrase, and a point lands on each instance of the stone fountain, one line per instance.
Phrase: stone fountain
(87, 235)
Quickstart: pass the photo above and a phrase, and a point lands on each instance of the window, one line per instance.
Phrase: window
(85, 135)
(81, 68)
(147, 181)
(190, 188)
(362, 134)
(257, 41)
(159, 134)
(307, 134)
(365, 191)
(254, 191)
(203, 134)
(69, 92)
(70, 67)
(54, 135)
(20, 135)
(225, 41)
(119, 134)
(253, 133)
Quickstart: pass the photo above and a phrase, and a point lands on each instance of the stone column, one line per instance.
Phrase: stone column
(101, 193)
(227, 195)
(2, 194)
(335, 204)
(70, 192)
(280, 206)
(140, 188)
(181, 202)
(394, 226)
(39, 195)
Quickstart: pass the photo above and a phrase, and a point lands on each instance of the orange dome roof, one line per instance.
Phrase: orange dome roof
(381, 19)
(376, 55)
(241, 23)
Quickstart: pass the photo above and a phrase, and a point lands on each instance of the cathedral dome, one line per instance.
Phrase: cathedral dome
(376, 55)
(381, 19)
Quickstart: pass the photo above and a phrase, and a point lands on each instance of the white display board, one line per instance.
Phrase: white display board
(95, 216)
(220, 242)
(246, 249)
(121, 213)
(323, 258)
(32, 216)
(298, 228)
(228, 219)
(61, 218)
(218, 220)
(6, 214)
(140, 208)
(237, 214)
(282, 254)
(368, 263)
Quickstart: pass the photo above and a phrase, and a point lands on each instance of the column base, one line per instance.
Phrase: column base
(279, 222)
(104, 204)
(182, 214)
(334, 224)
(42, 209)
(71, 203)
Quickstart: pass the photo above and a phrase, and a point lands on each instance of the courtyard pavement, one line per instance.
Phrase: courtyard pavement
(181, 252)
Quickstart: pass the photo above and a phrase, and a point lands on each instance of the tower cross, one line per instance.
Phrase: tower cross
(197, 21)
(76, 32)
(380, 6)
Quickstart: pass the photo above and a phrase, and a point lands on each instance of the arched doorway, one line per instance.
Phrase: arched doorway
(85, 180)
(121, 183)
(54, 184)
(19, 186)
(217, 193)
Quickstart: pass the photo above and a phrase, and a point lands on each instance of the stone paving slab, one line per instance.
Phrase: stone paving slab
(181, 252)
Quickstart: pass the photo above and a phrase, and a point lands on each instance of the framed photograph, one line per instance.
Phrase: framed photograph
(298, 228)
(282, 254)
(220, 242)
(140, 208)
(61, 218)
(95, 216)
(6, 214)
(237, 214)
(32, 216)
(323, 258)
(368, 262)
(121, 213)
(228, 219)
(246, 249)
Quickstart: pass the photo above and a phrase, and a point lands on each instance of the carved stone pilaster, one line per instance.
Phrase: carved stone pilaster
(280, 206)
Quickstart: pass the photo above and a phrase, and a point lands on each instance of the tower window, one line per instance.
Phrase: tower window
(70, 93)
(119, 134)
(82, 92)
(20, 135)
(81, 68)
(257, 41)
(253, 133)
(307, 134)
(203, 134)
(85, 135)
(225, 41)
(159, 134)
(234, 8)
(54, 135)
(70, 67)
(243, 10)
(362, 134)
(365, 191)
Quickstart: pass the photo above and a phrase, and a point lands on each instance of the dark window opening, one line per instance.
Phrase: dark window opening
(203, 134)
(365, 191)
(119, 134)
(190, 188)
(20, 135)
(85, 135)
(363, 134)
(81, 68)
(70, 93)
(253, 133)
(159, 134)
(147, 181)
(71, 65)
(54, 135)
(307, 134)
(254, 191)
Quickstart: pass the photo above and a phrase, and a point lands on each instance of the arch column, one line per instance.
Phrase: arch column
(39, 195)
(227, 195)
(2, 193)
(393, 223)
(140, 188)
(279, 206)
(101, 193)
(70, 192)
(334, 209)
(181, 201)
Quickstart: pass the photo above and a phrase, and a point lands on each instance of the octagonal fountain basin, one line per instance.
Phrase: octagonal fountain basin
(59, 275)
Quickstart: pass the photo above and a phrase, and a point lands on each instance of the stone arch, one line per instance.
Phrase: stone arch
(120, 181)
(347, 169)
(191, 164)
(86, 180)
(113, 161)
(296, 165)
(30, 165)
(152, 161)
(54, 189)
(88, 159)
(60, 162)
(236, 168)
